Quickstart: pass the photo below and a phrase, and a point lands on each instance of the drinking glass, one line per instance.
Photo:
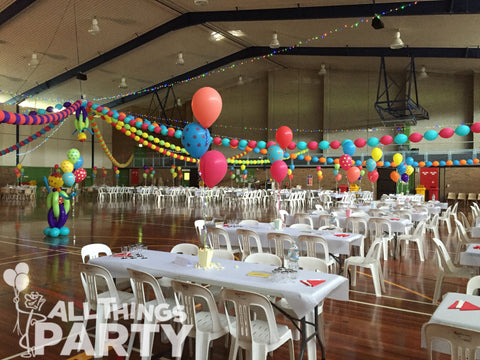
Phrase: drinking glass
(124, 250)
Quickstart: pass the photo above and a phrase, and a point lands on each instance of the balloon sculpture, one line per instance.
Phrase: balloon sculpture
(82, 124)
(58, 201)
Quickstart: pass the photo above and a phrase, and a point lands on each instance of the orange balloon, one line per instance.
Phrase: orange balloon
(463, 162)
(421, 163)
(476, 161)
(395, 176)
(379, 163)
(308, 158)
(206, 106)
(263, 151)
(364, 163)
(323, 160)
(449, 162)
(293, 156)
(392, 164)
(435, 163)
(336, 161)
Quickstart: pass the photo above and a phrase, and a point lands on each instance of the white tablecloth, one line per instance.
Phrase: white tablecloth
(301, 298)
(470, 257)
(454, 317)
(336, 244)
(475, 231)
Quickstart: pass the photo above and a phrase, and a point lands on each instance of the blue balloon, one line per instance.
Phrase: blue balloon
(315, 159)
(358, 162)
(349, 148)
(456, 162)
(428, 164)
(292, 167)
(443, 163)
(402, 169)
(68, 179)
(335, 172)
(430, 135)
(329, 160)
(232, 168)
(256, 150)
(470, 162)
(196, 139)
(301, 145)
(274, 153)
(400, 139)
(386, 163)
(346, 141)
(462, 130)
(409, 160)
(324, 145)
(64, 231)
(261, 144)
(415, 164)
(300, 157)
(244, 172)
(78, 164)
(178, 134)
(371, 164)
(373, 141)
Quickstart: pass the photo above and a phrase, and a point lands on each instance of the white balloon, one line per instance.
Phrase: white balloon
(21, 282)
(21, 268)
(9, 277)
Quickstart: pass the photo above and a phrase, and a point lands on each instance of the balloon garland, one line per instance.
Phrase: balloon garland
(7, 117)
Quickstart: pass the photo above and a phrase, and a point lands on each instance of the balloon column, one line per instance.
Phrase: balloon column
(19, 170)
(58, 201)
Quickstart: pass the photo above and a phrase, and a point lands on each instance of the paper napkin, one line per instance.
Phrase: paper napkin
(122, 255)
(477, 247)
(395, 219)
(463, 305)
(259, 274)
(341, 235)
(312, 283)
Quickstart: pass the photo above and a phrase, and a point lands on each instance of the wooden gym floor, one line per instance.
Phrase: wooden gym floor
(365, 327)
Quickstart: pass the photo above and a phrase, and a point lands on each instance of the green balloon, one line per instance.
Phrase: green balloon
(233, 176)
(362, 172)
(336, 166)
(144, 175)
(73, 155)
(172, 171)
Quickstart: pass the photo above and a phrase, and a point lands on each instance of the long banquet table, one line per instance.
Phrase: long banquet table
(471, 256)
(234, 274)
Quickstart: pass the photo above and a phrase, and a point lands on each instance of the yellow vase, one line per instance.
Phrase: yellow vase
(205, 257)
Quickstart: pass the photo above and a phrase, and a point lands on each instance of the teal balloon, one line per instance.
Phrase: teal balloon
(346, 141)
(349, 148)
(462, 130)
(302, 145)
(68, 179)
(335, 172)
(261, 144)
(373, 141)
(371, 164)
(400, 139)
(324, 145)
(409, 160)
(430, 135)
(274, 153)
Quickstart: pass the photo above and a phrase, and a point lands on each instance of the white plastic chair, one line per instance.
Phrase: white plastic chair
(416, 237)
(462, 238)
(463, 342)
(91, 274)
(382, 229)
(312, 264)
(301, 226)
(244, 237)
(371, 261)
(258, 337)
(283, 214)
(325, 220)
(282, 242)
(143, 283)
(358, 225)
(446, 268)
(264, 258)
(445, 217)
(303, 218)
(185, 248)
(208, 324)
(215, 234)
(310, 243)
(432, 225)
(92, 251)
(473, 286)
(253, 223)
(199, 229)
(223, 254)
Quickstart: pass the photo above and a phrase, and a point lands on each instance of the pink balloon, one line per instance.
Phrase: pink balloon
(252, 144)
(279, 170)
(284, 136)
(217, 140)
(415, 137)
(373, 176)
(293, 145)
(345, 162)
(338, 177)
(446, 133)
(233, 143)
(335, 144)
(353, 174)
(475, 127)
(270, 143)
(213, 167)
(386, 140)
(80, 175)
(206, 106)
(312, 145)
(360, 142)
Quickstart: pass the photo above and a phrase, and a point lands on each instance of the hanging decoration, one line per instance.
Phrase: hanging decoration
(105, 149)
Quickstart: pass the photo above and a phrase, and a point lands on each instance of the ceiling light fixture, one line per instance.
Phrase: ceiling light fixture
(377, 23)
(236, 33)
(423, 73)
(397, 42)
(34, 60)
(274, 44)
(95, 29)
(322, 70)
(180, 60)
(215, 36)
(200, 2)
(123, 83)
(179, 102)
(240, 80)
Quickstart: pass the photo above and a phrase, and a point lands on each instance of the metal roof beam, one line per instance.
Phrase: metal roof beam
(440, 7)
(14, 9)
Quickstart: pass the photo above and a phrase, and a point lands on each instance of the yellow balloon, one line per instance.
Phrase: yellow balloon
(410, 170)
(19, 166)
(397, 158)
(377, 154)
(243, 167)
(66, 166)
(289, 172)
(174, 175)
